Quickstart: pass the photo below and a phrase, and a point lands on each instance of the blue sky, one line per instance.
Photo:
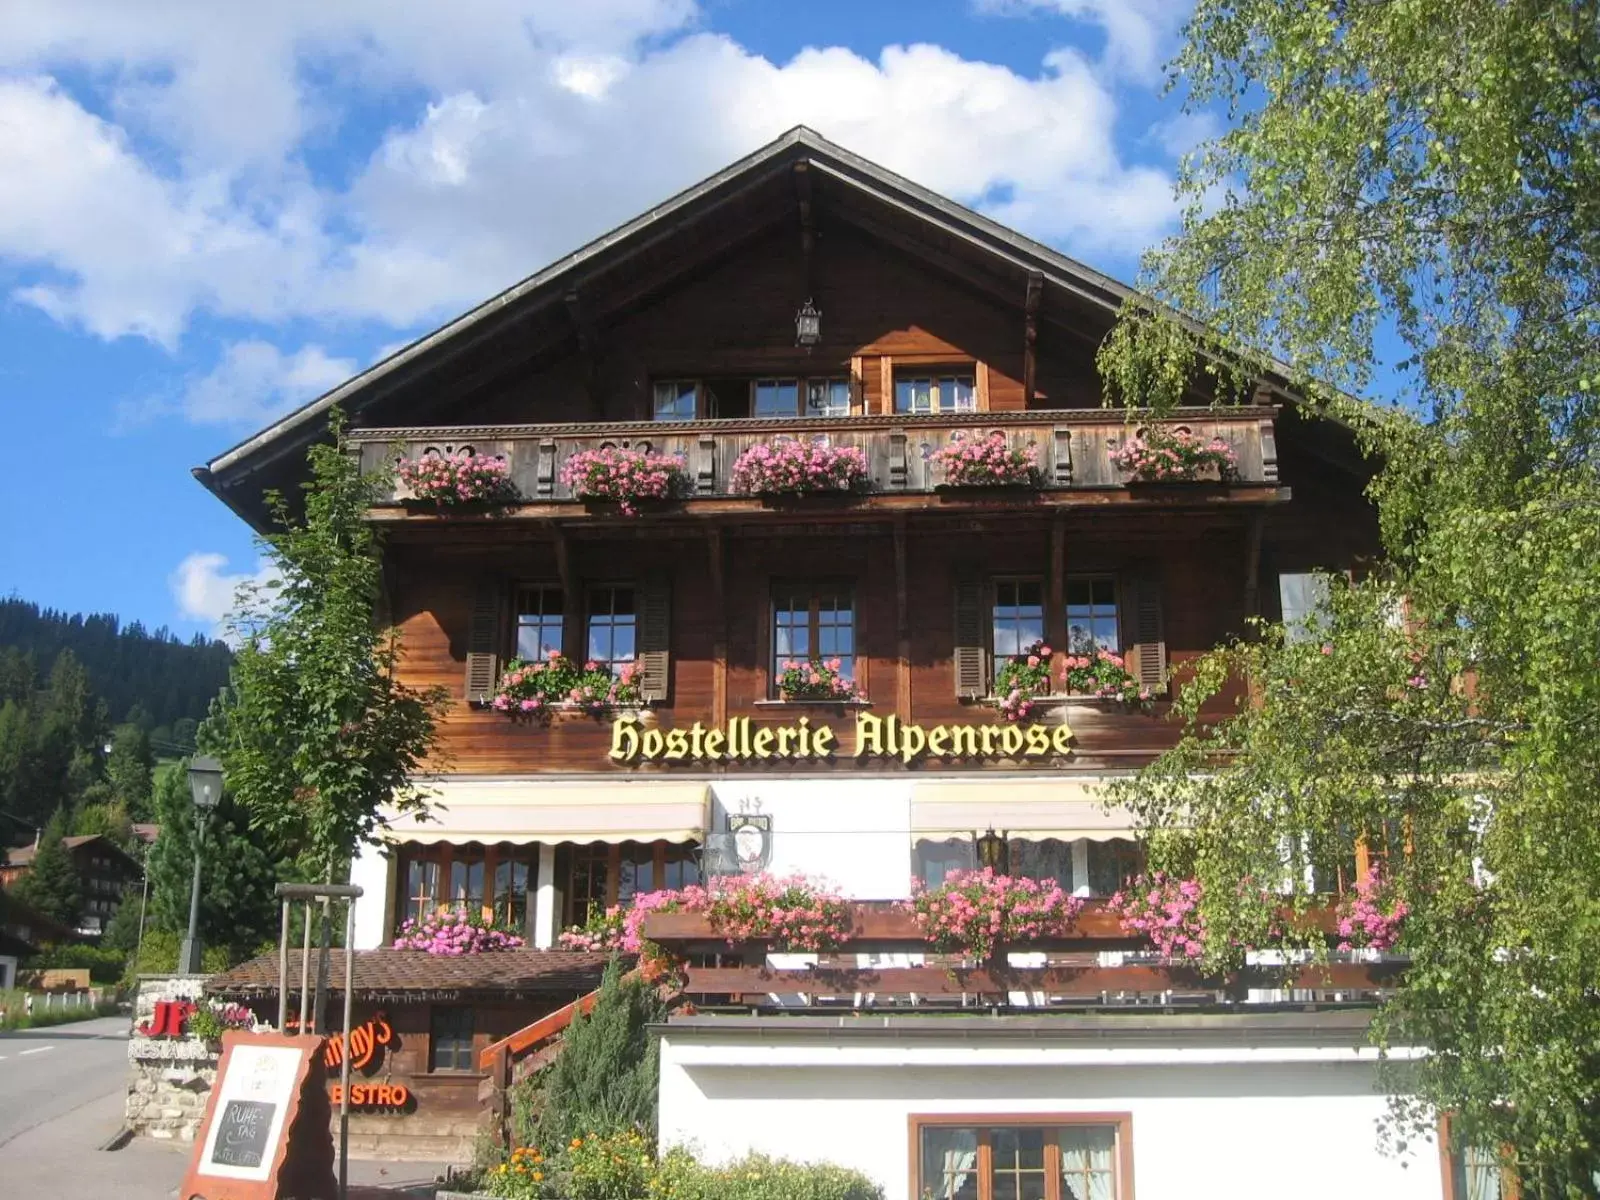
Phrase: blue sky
(212, 213)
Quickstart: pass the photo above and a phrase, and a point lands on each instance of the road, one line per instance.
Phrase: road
(62, 1092)
(45, 1074)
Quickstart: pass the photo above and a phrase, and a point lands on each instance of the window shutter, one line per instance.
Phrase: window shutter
(1149, 635)
(655, 630)
(483, 643)
(971, 649)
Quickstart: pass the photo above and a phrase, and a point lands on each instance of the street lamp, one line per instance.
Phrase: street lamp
(205, 787)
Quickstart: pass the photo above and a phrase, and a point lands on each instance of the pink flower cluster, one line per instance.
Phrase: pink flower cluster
(990, 461)
(815, 679)
(1104, 675)
(1179, 455)
(532, 689)
(792, 468)
(1373, 916)
(457, 478)
(1022, 681)
(792, 912)
(233, 1015)
(453, 932)
(615, 473)
(976, 913)
(1167, 911)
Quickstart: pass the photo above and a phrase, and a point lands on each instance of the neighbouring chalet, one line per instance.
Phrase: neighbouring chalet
(105, 873)
(807, 298)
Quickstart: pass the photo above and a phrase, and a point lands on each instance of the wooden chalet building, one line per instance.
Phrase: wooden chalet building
(687, 332)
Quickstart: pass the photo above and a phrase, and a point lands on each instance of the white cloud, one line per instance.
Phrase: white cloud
(1139, 33)
(204, 589)
(178, 184)
(252, 383)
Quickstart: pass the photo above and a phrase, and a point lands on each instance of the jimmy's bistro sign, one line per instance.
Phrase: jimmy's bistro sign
(875, 737)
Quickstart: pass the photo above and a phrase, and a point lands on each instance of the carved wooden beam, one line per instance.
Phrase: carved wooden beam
(808, 228)
(1030, 333)
(719, 629)
(902, 620)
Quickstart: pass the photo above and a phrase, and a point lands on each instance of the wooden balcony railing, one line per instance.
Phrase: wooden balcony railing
(1073, 448)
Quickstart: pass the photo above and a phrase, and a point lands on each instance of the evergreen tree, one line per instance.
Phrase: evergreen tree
(237, 872)
(129, 768)
(604, 1080)
(52, 886)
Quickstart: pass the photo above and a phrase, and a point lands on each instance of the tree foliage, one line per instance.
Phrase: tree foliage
(1409, 191)
(51, 886)
(316, 732)
(604, 1080)
(238, 869)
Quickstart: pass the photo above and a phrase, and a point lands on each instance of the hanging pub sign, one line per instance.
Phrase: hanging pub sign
(875, 737)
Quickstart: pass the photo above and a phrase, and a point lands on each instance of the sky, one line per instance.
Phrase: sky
(212, 213)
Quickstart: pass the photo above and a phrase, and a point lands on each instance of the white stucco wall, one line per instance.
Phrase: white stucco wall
(370, 872)
(856, 833)
(1231, 1123)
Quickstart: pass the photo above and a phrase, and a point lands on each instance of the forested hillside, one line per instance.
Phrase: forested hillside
(150, 677)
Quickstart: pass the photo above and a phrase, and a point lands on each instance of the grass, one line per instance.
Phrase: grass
(15, 1005)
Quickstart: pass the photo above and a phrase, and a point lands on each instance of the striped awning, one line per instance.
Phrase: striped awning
(522, 810)
(1034, 809)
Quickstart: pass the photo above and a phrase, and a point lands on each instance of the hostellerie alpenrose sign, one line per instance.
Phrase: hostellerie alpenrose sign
(875, 737)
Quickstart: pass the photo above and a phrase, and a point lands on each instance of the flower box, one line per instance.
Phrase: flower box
(987, 462)
(790, 470)
(614, 474)
(539, 690)
(457, 481)
(1159, 456)
(815, 680)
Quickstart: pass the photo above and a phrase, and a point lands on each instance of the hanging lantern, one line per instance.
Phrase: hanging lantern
(807, 325)
(992, 850)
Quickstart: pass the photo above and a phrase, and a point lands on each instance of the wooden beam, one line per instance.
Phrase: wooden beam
(902, 621)
(558, 541)
(719, 631)
(808, 227)
(1252, 565)
(1055, 617)
(996, 979)
(1030, 334)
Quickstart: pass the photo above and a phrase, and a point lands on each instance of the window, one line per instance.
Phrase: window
(1304, 599)
(588, 882)
(827, 397)
(636, 870)
(1048, 861)
(680, 867)
(539, 622)
(1018, 618)
(777, 397)
(450, 1038)
(422, 888)
(1113, 865)
(676, 399)
(813, 622)
(466, 884)
(933, 861)
(1023, 1159)
(511, 893)
(454, 877)
(1092, 616)
(934, 393)
(613, 625)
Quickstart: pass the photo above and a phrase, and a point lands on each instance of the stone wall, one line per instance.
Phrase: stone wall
(170, 1078)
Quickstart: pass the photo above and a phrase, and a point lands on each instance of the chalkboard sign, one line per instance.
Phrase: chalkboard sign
(244, 1133)
(245, 1142)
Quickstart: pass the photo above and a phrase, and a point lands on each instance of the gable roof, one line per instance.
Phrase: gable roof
(860, 190)
(23, 856)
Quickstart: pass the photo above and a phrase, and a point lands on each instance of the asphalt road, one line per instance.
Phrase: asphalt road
(47, 1073)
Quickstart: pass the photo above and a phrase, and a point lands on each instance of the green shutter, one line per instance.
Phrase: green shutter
(1149, 635)
(971, 647)
(483, 642)
(655, 631)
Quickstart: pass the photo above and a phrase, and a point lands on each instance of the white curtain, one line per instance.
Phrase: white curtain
(1087, 1164)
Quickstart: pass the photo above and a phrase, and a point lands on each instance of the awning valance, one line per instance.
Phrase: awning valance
(521, 810)
(1033, 809)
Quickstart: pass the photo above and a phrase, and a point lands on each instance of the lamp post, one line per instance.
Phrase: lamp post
(205, 787)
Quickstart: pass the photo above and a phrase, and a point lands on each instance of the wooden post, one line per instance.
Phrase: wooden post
(1030, 335)
(1055, 616)
(902, 621)
(719, 631)
(1252, 565)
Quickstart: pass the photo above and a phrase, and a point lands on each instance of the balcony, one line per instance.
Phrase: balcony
(1073, 449)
